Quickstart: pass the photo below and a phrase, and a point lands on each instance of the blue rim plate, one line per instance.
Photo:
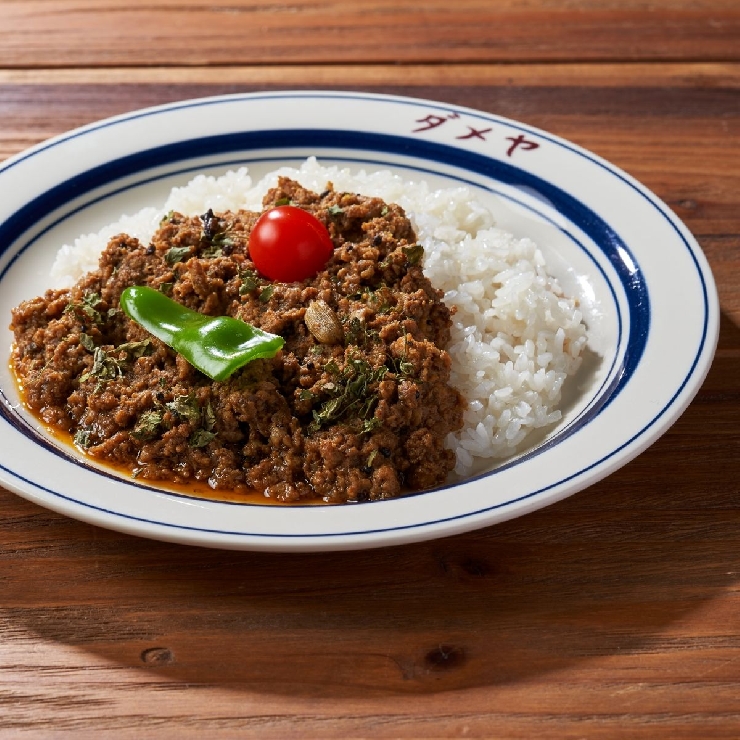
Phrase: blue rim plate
(644, 283)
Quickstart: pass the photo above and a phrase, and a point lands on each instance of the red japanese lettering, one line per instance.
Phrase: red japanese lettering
(432, 121)
(475, 133)
(520, 141)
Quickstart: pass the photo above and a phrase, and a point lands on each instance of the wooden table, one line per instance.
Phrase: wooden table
(615, 613)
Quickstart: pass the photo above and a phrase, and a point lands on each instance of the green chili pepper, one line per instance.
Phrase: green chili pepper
(215, 345)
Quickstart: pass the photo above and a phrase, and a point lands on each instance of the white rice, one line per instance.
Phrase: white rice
(515, 338)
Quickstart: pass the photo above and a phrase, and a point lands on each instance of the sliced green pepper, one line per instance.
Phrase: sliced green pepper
(215, 345)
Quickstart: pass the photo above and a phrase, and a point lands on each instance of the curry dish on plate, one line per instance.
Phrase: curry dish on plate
(354, 407)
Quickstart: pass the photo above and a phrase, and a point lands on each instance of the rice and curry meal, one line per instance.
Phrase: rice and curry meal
(318, 336)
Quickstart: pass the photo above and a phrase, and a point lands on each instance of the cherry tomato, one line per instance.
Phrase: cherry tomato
(288, 244)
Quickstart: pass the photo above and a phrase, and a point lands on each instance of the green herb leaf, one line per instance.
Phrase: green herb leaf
(414, 253)
(134, 350)
(357, 332)
(200, 438)
(223, 239)
(186, 407)
(87, 342)
(104, 367)
(212, 252)
(83, 438)
(354, 393)
(209, 417)
(335, 210)
(379, 299)
(401, 365)
(89, 302)
(332, 368)
(250, 282)
(266, 293)
(86, 307)
(176, 254)
(405, 369)
(147, 425)
(370, 425)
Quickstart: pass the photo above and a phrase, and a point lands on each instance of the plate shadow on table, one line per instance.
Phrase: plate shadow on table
(602, 573)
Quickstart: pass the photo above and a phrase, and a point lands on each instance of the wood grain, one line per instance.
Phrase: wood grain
(62, 33)
(613, 614)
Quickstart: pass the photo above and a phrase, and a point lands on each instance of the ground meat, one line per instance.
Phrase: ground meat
(362, 419)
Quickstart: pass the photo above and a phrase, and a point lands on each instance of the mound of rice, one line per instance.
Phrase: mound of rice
(515, 338)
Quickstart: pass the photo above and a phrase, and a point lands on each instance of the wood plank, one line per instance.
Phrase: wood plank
(62, 33)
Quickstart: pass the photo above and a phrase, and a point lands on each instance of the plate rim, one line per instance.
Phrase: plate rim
(672, 410)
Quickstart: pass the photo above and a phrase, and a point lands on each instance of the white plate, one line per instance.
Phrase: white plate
(643, 280)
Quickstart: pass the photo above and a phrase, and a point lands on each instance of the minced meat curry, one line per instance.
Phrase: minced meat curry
(355, 407)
